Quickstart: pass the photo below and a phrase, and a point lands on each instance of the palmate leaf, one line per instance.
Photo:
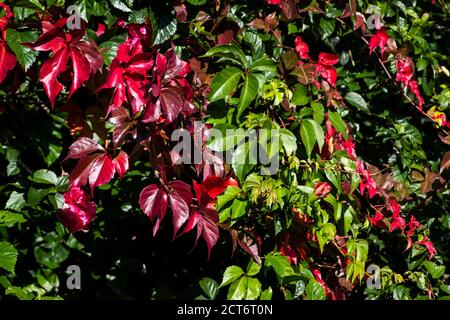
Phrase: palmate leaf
(224, 83)
(154, 200)
(229, 52)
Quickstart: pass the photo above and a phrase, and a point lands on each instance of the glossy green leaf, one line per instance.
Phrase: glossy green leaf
(224, 83)
(311, 133)
(248, 92)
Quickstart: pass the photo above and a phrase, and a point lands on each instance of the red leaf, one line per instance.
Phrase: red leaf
(127, 75)
(180, 198)
(7, 61)
(153, 201)
(170, 90)
(226, 37)
(250, 246)
(380, 39)
(50, 71)
(85, 56)
(215, 186)
(140, 64)
(83, 147)
(328, 59)
(114, 76)
(80, 70)
(100, 29)
(301, 48)
(206, 223)
(328, 73)
(121, 163)
(80, 174)
(102, 171)
(135, 95)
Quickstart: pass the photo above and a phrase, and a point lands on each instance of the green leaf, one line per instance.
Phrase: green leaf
(244, 288)
(30, 4)
(209, 287)
(238, 209)
(338, 123)
(334, 178)
(252, 268)
(139, 16)
(248, 92)
(348, 219)
(26, 56)
(197, 2)
(9, 218)
(435, 270)
(53, 256)
(300, 95)
(280, 265)
(230, 52)
(266, 294)
(401, 293)
(357, 101)
(109, 48)
(16, 201)
(238, 289)
(44, 176)
(311, 133)
(231, 273)
(35, 196)
(244, 159)
(253, 289)
(318, 111)
(230, 193)
(314, 290)
(8, 256)
(20, 293)
(224, 83)
(264, 64)
(325, 234)
(83, 6)
(288, 140)
(120, 5)
(167, 26)
(327, 26)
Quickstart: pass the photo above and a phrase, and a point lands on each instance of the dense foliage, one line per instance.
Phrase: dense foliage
(346, 100)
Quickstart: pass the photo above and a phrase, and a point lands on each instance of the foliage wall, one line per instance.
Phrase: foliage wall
(356, 92)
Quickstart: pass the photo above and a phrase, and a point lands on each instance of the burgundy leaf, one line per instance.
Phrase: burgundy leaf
(80, 174)
(127, 75)
(153, 201)
(102, 171)
(85, 56)
(91, 53)
(114, 76)
(206, 223)
(251, 247)
(180, 198)
(80, 70)
(83, 147)
(50, 70)
(121, 163)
